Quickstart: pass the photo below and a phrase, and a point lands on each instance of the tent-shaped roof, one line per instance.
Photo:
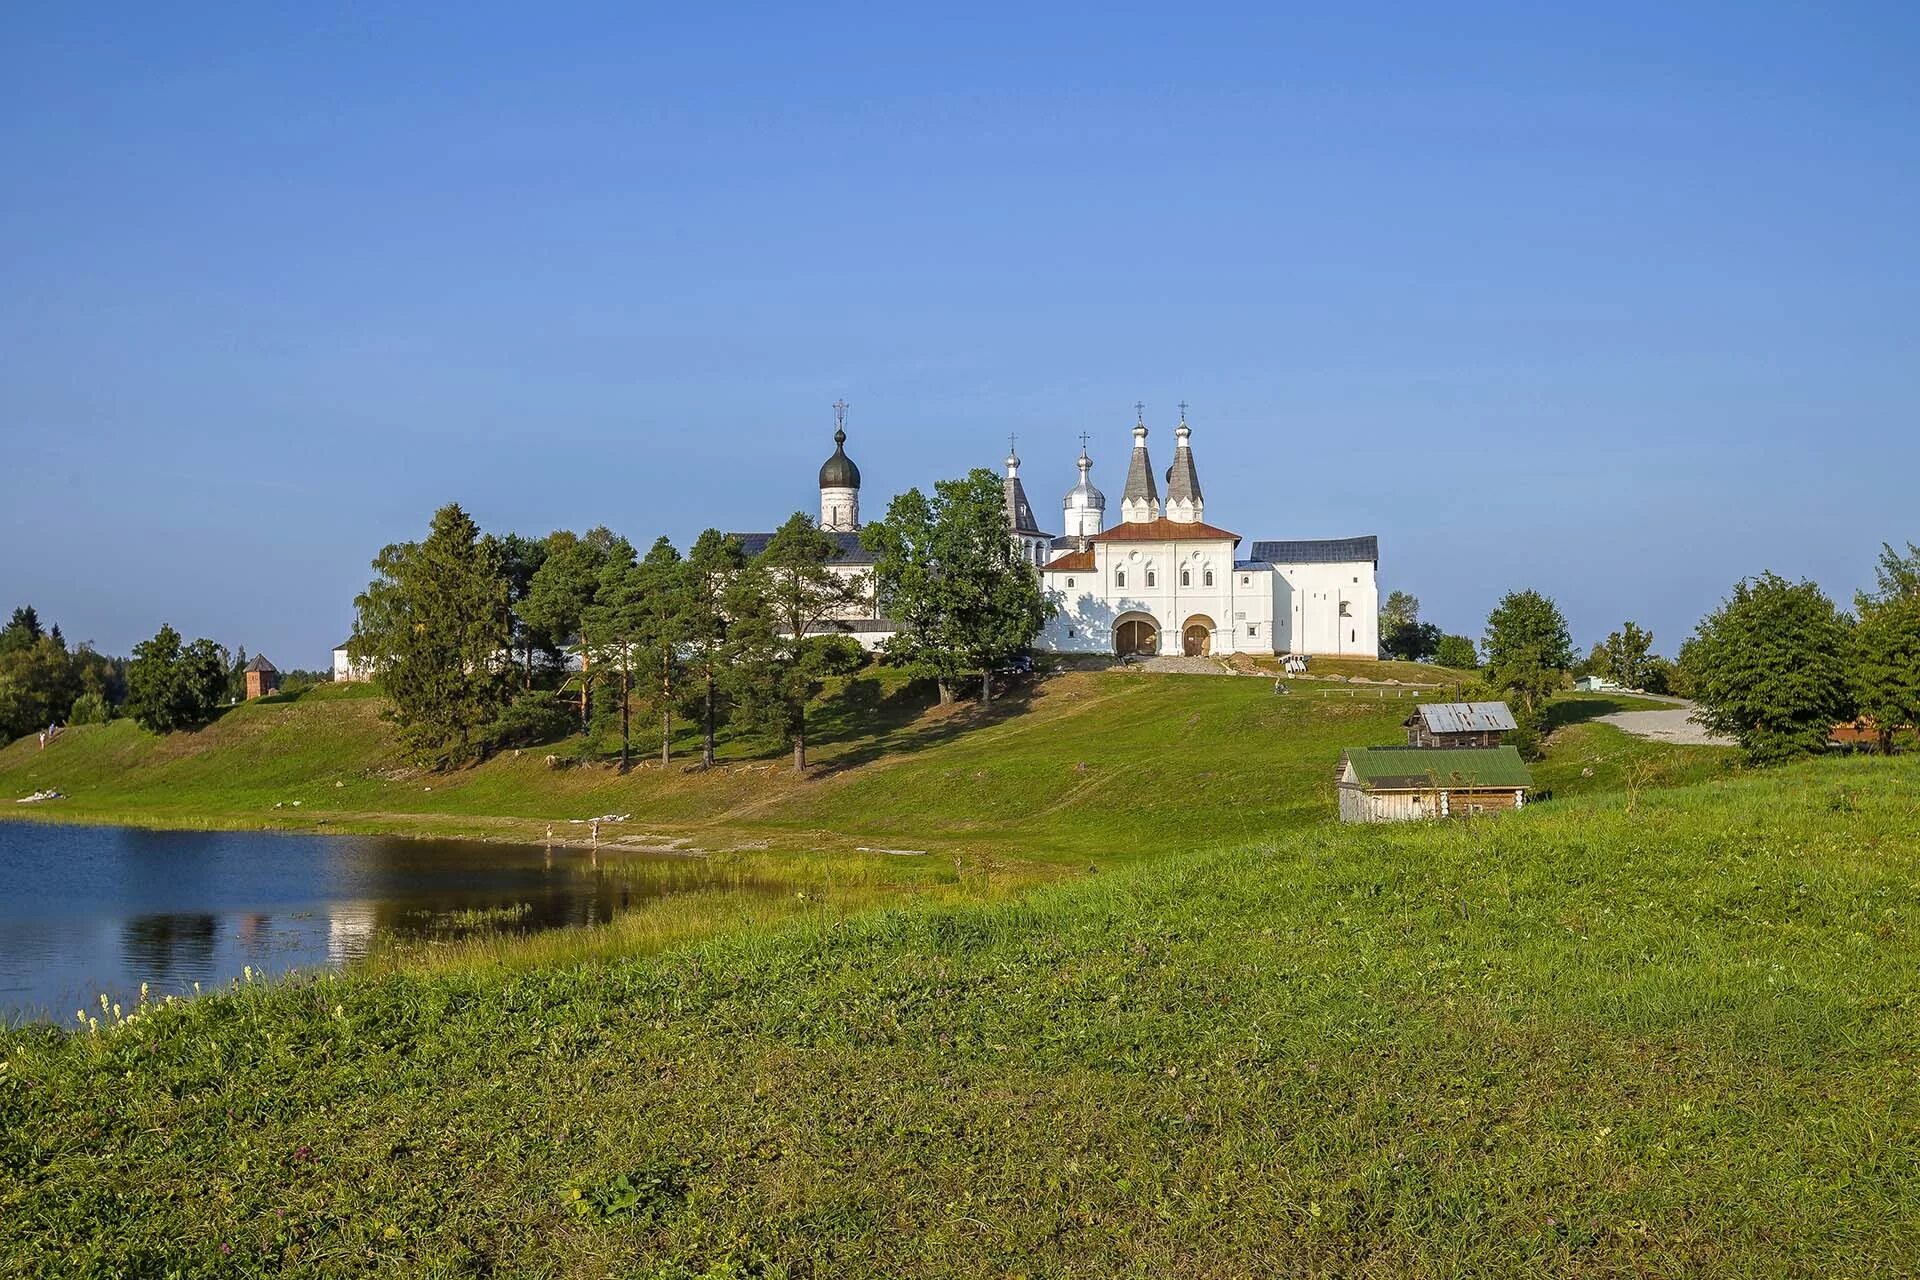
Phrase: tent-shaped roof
(1465, 717)
(1425, 768)
(260, 663)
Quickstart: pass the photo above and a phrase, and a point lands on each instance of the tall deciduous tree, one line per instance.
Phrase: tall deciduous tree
(1886, 665)
(952, 580)
(434, 629)
(783, 603)
(713, 567)
(1627, 653)
(1770, 668)
(1528, 650)
(1402, 609)
(170, 685)
(1896, 575)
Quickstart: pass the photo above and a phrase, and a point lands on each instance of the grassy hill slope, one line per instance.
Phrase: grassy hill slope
(1109, 765)
(1668, 1032)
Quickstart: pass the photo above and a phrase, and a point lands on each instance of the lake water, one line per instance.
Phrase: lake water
(86, 910)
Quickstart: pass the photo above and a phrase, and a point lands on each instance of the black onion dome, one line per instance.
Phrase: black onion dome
(838, 472)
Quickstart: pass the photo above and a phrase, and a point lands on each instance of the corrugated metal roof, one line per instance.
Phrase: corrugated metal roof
(1417, 768)
(1320, 551)
(1467, 717)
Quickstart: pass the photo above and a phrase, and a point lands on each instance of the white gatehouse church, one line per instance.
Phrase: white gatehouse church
(1161, 581)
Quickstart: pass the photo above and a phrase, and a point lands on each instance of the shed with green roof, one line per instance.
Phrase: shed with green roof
(1398, 784)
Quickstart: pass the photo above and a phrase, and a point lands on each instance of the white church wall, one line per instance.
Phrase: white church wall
(1331, 609)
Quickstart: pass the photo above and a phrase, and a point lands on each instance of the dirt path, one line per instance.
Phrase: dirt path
(1675, 724)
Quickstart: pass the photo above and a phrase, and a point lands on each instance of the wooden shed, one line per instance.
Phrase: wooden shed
(1401, 784)
(1459, 724)
(262, 678)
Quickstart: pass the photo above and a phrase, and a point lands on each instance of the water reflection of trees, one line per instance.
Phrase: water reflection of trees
(173, 947)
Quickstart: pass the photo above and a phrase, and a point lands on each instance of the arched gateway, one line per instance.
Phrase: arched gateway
(1196, 638)
(1135, 633)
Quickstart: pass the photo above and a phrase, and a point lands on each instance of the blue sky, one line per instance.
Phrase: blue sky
(1621, 302)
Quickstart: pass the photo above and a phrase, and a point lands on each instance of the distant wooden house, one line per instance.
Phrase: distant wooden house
(262, 678)
(1402, 784)
(1459, 724)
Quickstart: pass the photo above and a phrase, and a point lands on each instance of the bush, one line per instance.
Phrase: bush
(90, 708)
(530, 720)
(1456, 651)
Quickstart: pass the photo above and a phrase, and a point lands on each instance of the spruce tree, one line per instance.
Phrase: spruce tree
(434, 627)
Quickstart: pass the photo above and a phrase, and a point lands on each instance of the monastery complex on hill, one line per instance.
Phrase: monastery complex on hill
(1160, 581)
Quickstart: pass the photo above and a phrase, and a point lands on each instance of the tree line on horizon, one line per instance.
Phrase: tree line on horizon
(467, 632)
(1775, 667)
(167, 683)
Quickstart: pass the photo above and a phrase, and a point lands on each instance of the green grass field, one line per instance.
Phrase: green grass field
(1661, 1032)
(1143, 1009)
(1080, 766)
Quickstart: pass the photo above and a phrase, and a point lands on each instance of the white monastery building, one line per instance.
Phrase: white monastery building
(1161, 581)
(1164, 581)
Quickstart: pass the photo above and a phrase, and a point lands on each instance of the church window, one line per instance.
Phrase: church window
(1069, 633)
(1186, 578)
(1069, 587)
(1253, 629)
(1206, 579)
(1119, 577)
(1245, 580)
(1151, 579)
(1346, 609)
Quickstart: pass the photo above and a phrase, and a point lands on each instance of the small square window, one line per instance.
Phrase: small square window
(1069, 633)
(1245, 581)
(1252, 630)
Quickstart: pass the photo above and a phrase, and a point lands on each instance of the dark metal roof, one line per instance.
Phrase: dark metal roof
(1420, 768)
(849, 552)
(838, 472)
(1320, 551)
(1140, 485)
(260, 663)
(1182, 480)
(1019, 510)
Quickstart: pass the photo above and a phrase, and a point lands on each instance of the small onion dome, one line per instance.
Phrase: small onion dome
(838, 472)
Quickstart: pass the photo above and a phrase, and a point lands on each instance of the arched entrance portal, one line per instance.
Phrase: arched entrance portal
(1196, 638)
(1135, 633)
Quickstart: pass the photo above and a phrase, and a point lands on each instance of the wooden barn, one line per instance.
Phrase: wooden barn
(1402, 784)
(1459, 724)
(262, 678)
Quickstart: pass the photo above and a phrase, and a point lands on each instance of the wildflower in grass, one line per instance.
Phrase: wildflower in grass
(143, 993)
(103, 1002)
(196, 988)
(79, 1015)
(116, 1013)
(248, 970)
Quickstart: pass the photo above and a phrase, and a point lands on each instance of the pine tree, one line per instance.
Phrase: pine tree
(434, 626)
(781, 604)
(713, 567)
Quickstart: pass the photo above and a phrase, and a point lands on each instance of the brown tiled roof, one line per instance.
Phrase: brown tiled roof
(1162, 530)
(1073, 561)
